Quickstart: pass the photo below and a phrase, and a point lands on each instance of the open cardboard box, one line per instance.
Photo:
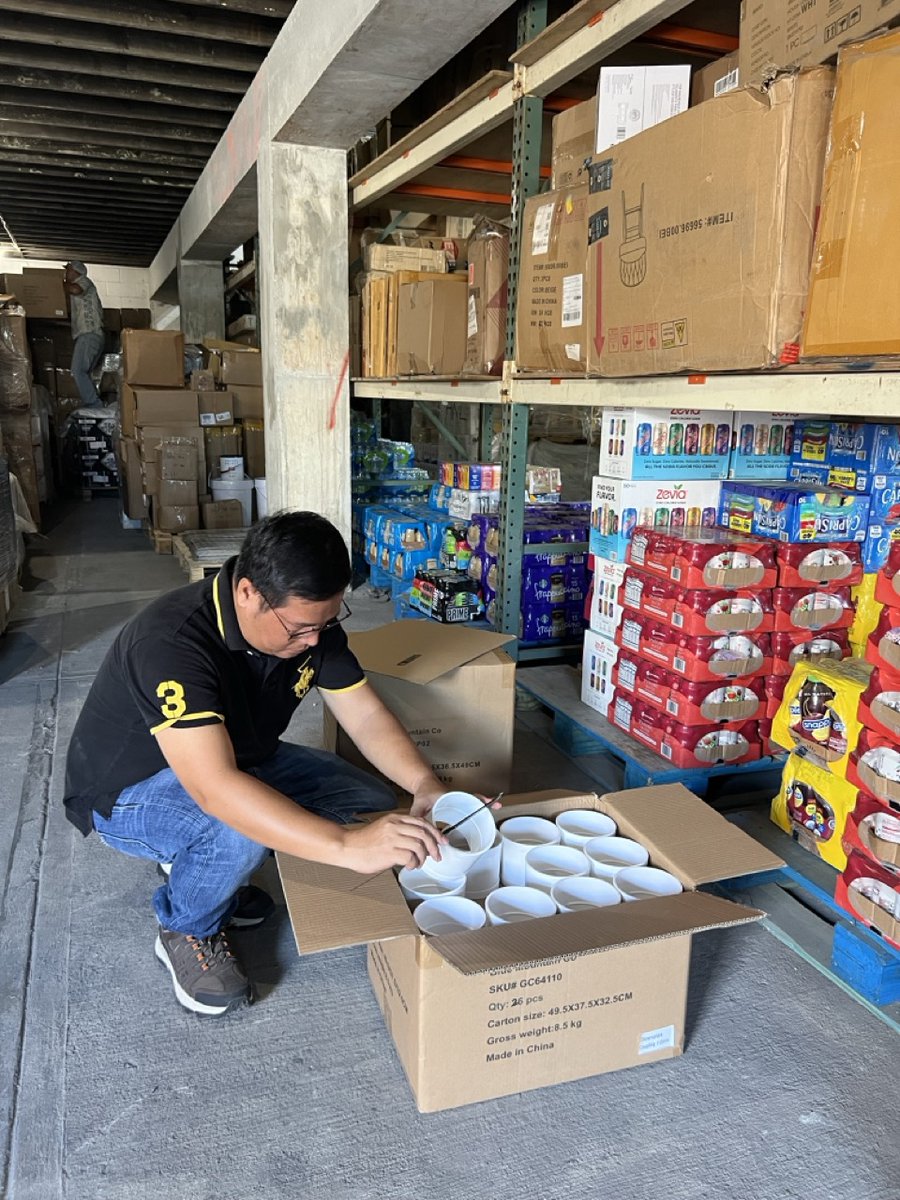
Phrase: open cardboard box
(510, 1008)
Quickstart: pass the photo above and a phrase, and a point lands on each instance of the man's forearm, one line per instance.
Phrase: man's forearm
(387, 746)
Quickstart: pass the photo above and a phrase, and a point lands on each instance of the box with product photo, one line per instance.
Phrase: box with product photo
(665, 443)
(763, 443)
(453, 690)
(509, 1008)
(551, 334)
(597, 665)
(606, 610)
(632, 99)
(699, 260)
(618, 506)
(793, 512)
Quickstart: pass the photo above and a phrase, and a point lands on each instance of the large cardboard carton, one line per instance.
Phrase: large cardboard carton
(387, 347)
(247, 402)
(159, 406)
(574, 138)
(375, 292)
(801, 33)
(453, 691)
(132, 484)
(150, 438)
(153, 357)
(222, 514)
(42, 294)
(510, 1008)
(242, 368)
(706, 267)
(716, 79)
(176, 518)
(383, 256)
(551, 334)
(487, 299)
(431, 326)
(215, 408)
(855, 256)
(176, 493)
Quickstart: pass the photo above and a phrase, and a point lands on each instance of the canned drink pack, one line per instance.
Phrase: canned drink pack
(665, 444)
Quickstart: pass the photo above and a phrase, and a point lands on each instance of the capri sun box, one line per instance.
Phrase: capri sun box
(510, 1008)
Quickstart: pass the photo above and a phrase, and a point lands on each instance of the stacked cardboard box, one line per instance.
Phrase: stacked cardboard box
(663, 260)
(488, 255)
(15, 405)
(40, 291)
(176, 505)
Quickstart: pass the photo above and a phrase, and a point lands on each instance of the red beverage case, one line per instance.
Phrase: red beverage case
(874, 766)
(879, 705)
(809, 611)
(883, 646)
(704, 611)
(703, 659)
(715, 558)
(870, 892)
(887, 586)
(652, 551)
(801, 565)
(709, 745)
(873, 829)
(720, 704)
(798, 645)
(775, 685)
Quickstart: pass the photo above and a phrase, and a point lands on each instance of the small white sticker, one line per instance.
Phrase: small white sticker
(473, 318)
(657, 1039)
(573, 300)
(540, 237)
(573, 351)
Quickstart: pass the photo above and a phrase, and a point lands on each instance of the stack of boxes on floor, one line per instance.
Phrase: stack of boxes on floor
(20, 425)
(177, 440)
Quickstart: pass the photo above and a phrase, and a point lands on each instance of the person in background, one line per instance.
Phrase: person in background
(87, 331)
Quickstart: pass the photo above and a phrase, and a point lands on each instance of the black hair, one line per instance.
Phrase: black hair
(294, 554)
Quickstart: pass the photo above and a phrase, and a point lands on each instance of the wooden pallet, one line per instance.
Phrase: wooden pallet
(194, 570)
(582, 733)
(802, 913)
(162, 541)
(203, 552)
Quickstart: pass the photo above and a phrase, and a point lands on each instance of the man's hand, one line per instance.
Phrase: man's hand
(427, 791)
(394, 840)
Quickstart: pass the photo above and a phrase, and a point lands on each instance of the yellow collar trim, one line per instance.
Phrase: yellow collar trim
(218, 607)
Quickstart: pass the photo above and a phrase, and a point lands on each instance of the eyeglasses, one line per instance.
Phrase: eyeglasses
(306, 630)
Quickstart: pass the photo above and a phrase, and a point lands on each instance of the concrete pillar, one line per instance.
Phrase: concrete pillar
(304, 327)
(201, 295)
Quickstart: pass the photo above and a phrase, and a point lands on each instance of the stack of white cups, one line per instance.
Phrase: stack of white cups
(530, 867)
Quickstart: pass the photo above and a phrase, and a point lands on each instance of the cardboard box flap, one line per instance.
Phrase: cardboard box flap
(685, 836)
(589, 930)
(420, 651)
(330, 907)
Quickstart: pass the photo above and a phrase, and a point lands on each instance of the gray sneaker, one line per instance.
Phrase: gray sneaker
(207, 977)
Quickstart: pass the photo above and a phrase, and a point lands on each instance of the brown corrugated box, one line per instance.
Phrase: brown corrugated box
(716, 79)
(486, 301)
(389, 332)
(153, 357)
(574, 139)
(223, 440)
(247, 402)
(150, 438)
(215, 408)
(701, 233)
(510, 1008)
(551, 334)
(383, 256)
(855, 257)
(255, 449)
(160, 406)
(233, 363)
(375, 291)
(431, 326)
(452, 689)
(222, 514)
(801, 33)
(176, 493)
(176, 518)
(43, 294)
(132, 483)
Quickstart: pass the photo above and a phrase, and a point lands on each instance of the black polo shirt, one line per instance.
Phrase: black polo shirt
(180, 663)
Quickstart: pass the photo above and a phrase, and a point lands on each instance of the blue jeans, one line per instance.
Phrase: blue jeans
(86, 355)
(157, 819)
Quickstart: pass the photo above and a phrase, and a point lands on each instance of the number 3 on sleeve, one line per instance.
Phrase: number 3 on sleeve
(172, 695)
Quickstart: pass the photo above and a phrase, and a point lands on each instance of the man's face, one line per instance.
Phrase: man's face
(285, 631)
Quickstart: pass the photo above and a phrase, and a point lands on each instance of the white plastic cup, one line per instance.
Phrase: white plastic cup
(235, 489)
(546, 865)
(417, 885)
(509, 904)
(521, 834)
(643, 883)
(448, 914)
(484, 877)
(611, 854)
(262, 498)
(579, 825)
(583, 891)
(473, 838)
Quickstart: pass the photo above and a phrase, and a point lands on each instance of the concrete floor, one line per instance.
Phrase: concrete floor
(109, 1091)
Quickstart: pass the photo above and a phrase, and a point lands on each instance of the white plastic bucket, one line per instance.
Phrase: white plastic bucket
(235, 489)
(262, 498)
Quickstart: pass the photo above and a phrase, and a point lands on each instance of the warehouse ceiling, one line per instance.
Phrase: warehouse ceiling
(109, 110)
